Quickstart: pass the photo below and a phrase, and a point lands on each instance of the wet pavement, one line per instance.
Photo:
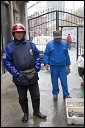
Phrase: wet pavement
(11, 113)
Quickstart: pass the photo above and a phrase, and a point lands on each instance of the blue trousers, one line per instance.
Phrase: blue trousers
(59, 72)
(69, 45)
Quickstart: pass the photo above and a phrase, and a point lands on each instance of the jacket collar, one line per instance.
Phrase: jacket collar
(18, 42)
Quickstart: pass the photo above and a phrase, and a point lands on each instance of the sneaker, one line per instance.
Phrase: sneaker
(64, 97)
(55, 97)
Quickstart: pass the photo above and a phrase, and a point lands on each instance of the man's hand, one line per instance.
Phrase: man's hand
(68, 69)
(47, 66)
(68, 65)
(18, 78)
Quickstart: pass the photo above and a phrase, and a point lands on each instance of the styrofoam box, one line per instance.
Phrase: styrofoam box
(75, 110)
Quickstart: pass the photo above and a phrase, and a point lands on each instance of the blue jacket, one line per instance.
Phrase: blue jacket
(16, 57)
(56, 53)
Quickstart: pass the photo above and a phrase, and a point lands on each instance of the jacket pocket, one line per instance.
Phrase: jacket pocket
(52, 49)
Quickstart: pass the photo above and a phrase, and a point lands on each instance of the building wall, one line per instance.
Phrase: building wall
(11, 12)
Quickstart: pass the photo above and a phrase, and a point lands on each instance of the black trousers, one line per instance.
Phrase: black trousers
(35, 96)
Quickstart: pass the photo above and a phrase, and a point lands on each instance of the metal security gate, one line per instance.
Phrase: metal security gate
(44, 25)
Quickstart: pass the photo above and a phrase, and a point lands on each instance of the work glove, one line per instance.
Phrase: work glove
(68, 69)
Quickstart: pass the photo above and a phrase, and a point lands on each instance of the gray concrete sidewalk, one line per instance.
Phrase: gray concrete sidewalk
(11, 113)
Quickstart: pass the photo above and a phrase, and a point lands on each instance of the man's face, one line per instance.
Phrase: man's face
(57, 40)
(19, 35)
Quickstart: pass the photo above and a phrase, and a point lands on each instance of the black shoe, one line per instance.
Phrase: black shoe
(25, 118)
(40, 115)
(55, 97)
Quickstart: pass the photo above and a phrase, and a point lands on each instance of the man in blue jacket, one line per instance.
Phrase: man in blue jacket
(57, 57)
(21, 58)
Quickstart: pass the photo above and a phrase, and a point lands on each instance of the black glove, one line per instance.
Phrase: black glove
(68, 69)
